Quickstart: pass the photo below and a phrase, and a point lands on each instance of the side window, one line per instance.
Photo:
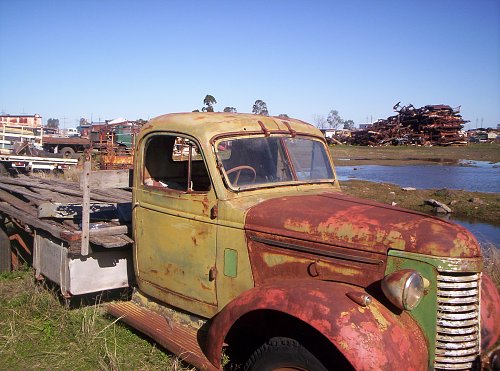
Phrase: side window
(174, 163)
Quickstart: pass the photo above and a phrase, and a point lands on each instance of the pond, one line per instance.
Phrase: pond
(470, 176)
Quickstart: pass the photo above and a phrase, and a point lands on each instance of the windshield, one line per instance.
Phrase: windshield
(256, 161)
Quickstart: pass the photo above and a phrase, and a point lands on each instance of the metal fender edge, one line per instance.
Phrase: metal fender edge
(490, 309)
(371, 338)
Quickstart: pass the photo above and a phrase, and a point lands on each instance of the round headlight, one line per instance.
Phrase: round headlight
(404, 288)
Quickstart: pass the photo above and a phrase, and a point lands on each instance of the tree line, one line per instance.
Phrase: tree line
(258, 108)
(332, 120)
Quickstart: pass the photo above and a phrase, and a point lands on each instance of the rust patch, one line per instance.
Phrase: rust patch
(490, 311)
(338, 220)
(275, 262)
(371, 338)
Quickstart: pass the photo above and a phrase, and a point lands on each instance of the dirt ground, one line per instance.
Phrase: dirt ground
(407, 155)
(481, 207)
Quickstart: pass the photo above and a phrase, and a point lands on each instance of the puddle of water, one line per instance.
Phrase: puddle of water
(483, 177)
(486, 234)
(479, 176)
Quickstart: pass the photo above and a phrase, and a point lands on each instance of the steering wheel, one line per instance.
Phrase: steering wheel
(239, 169)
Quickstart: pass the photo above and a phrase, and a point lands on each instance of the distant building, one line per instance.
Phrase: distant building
(31, 121)
(20, 128)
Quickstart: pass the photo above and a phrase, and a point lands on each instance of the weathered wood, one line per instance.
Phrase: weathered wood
(17, 202)
(47, 195)
(73, 210)
(111, 241)
(66, 188)
(114, 230)
(110, 231)
(54, 229)
(85, 184)
(115, 195)
(57, 197)
(22, 191)
(104, 179)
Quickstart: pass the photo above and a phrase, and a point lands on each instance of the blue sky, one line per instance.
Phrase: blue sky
(139, 59)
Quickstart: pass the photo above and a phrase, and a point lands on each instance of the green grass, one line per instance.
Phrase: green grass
(399, 155)
(38, 332)
(477, 206)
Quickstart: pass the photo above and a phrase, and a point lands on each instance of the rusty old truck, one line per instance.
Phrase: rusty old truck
(247, 255)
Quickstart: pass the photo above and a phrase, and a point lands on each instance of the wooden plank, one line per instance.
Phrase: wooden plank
(22, 191)
(103, 179)
(85, 183)
(114, 230)
(17, 202)
(74, 210)
(66, 188)
(57, 197)
(110, 231)
(54, 229)
(115, 195)
(110, 242)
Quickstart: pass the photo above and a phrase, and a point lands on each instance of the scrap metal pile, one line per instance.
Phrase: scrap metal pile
(428, 125)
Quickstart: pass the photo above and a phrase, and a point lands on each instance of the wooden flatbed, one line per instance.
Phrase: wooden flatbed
(67, 233)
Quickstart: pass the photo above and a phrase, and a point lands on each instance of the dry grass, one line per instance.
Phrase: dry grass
(484, 208)
(491, 257)
(397, 154)
(38, 332)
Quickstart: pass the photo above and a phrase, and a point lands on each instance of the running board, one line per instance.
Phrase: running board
(179, 339)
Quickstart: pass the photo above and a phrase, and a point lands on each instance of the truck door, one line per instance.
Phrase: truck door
(175, 228)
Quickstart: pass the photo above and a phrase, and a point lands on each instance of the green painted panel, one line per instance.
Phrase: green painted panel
(425, 312)
(428, 266)
(230, 263)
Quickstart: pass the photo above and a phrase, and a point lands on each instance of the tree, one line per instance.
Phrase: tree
(230, 109)
(320, 121)
(209, 102)
(53, 123)
(260, 108)
(83, 121)
(348, 124)
(334, 119)
(283, 116)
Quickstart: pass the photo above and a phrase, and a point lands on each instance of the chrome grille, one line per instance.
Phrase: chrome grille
(457, 332)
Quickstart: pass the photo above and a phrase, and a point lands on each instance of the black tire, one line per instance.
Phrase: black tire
(5, 253)
(67, 152)
(283, 353)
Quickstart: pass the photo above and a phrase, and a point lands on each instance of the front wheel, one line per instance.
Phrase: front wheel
(282, 353)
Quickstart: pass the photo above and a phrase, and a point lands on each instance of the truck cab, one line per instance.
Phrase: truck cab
(246, 253)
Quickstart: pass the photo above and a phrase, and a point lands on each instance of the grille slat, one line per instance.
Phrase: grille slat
(452, 278)
(458, 316)
(461, 345)
(458, 294)
(452, 285)
(457, 340)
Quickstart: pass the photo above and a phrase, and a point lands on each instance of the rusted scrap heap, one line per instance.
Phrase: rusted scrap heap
(428, 125)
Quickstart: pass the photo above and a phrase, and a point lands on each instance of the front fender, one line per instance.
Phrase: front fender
(490, 308)
(371, 338)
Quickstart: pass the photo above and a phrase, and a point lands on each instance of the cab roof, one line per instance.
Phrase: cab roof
(209, 125)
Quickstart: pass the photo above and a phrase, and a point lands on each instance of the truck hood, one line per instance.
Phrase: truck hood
(339, 220)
